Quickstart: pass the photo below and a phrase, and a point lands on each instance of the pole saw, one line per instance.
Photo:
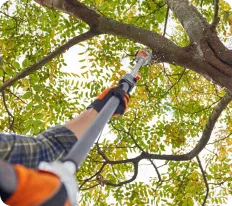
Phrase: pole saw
(55, 182)
(80, 150)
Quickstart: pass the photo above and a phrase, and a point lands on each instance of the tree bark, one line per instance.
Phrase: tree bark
(205, 55)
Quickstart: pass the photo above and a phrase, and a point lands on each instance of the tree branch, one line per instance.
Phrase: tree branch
(16, 96)
(216, 19)
(106, 182)
(48, 58)
(74, 8)
(87, 188)
(197, 149)
(166, 21)
(199, 29)
(95, 175)
(100, 152)
(219, 140)
(222, 104)
(8, 112)
(205, 180)
(163, 49)
(156, 169)
(193, 22)
(184, 157)
(173, 85)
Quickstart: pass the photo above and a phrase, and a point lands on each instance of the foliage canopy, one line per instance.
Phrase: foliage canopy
(168, 110)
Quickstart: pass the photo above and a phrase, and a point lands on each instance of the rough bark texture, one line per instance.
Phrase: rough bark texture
(205, 55)
(203, 36)
(192, 21)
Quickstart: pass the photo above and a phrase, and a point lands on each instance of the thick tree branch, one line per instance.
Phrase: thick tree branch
(197, 149)
(163, 49)
(74, 8)
(203, 36)
(222, 104)
(205, 180)
(220, 50)
(48, 58)
(193, 22)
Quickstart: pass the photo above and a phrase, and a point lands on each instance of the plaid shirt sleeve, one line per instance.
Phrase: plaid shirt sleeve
(51, 145)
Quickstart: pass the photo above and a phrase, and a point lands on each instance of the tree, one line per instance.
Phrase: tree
(172, 112)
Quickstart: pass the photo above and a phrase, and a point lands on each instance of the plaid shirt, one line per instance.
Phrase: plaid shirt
(51, 145)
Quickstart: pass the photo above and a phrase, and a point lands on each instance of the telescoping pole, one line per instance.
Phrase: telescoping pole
(81, 149)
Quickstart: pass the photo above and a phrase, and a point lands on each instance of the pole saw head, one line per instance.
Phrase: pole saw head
(145, 55)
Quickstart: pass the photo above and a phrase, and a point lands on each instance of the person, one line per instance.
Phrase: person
(52, 184)
(50, 145)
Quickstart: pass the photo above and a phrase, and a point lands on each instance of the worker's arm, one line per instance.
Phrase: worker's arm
(55, 143)
(51, 145)
(79, 125)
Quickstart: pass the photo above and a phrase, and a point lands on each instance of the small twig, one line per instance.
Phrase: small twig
(8, 112)
(106, 182)
(219, 183)
(220, 139)
(114, 172)
(205, 180)
(201, 3)
(100, 152)
(95, 175)
(166, 21)
(16, 96)
(87, 188)
(12, 17)
(143, 16)
(216, 19)
(156, 169)
(178, 80)
(183, 177)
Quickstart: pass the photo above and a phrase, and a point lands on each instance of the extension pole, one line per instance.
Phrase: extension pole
(80, 150)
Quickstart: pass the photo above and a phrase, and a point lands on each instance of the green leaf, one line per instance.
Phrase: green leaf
(27, 95)
(37, 98)
(16, 65)
(26, 63)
